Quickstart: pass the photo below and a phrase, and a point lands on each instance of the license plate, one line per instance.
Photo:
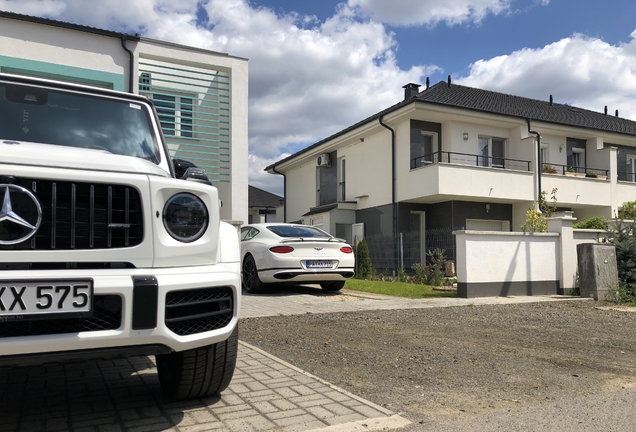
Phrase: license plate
(319, 264)
(39, 299)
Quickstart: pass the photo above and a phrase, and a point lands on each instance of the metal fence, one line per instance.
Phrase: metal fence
(407, 250)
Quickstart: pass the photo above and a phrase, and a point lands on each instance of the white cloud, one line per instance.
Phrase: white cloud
(308, 79)
(578, 70)
(429, 12)
(35, 8)
(263, 180)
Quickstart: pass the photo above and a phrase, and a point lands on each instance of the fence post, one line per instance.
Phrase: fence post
(401, 262)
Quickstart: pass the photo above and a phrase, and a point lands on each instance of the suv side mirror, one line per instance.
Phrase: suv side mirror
(186, 170)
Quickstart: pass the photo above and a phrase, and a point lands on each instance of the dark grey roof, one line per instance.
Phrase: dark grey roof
(516, 106)
(321, 209)
(260, 198)
(62, 24)
(473, 99)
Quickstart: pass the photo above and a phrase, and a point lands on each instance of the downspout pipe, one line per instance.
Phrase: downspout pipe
(131, 64)
(284, 193)
(539, 163)
(393, 203)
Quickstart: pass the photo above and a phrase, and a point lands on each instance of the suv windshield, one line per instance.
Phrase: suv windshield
(42, 115)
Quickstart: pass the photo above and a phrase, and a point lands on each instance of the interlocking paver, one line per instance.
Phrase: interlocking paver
(285, 399)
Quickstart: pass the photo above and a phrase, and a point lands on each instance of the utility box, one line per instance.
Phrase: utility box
(597, 269)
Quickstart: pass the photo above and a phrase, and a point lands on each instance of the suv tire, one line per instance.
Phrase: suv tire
(199, 372)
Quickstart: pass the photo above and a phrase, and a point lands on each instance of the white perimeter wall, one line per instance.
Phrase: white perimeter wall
(506, 256)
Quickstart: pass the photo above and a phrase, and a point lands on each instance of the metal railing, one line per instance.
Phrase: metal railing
(574, 170)
(626, 176)
(406, 251)
(470, 159)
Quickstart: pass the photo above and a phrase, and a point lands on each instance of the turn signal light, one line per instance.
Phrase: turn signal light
(281, 249)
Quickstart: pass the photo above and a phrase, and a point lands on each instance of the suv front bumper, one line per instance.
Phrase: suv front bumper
(145, 311)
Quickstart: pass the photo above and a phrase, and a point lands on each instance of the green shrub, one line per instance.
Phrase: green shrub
(621, 236)
(438, 262)
(363, 260)
(401, 274)
(420, 274)
(628, 211)
(595, 222)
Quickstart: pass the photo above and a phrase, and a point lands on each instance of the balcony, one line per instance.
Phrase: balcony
(446, 176)
(573, 171)
(471, 160)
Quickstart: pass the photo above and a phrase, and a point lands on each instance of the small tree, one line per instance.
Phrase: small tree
(536, 220)
(438, 261)
(363, 260)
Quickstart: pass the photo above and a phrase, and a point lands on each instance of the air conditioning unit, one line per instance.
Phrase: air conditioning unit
(323, 160)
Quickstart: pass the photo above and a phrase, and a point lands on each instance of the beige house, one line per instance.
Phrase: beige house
(452, 157)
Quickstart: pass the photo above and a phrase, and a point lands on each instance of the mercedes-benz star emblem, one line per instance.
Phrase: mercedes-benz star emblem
(20, 214)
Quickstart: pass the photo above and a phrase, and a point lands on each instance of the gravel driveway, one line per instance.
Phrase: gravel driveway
(466, 367)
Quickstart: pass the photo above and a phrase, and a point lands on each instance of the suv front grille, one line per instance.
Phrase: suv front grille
(199, 310)
(106, 316)
(79, 215)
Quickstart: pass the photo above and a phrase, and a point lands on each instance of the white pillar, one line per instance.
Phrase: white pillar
(561, 223)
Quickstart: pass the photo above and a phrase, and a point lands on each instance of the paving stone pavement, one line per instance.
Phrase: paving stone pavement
(266, 394)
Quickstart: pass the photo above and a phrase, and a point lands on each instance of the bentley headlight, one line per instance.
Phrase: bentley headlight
(185, 217)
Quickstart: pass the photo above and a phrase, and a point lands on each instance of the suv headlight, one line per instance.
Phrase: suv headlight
(185, 217)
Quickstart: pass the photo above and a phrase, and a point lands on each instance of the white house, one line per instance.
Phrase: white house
(201, 95)
(451, 158)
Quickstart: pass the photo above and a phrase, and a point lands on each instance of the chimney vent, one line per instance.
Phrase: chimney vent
(605, 109)
(449, 81)
(428, 82)
(411, 90)
(616, 113)
(551, 100)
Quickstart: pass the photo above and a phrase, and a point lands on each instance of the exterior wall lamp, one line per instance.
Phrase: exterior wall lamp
(465, 136)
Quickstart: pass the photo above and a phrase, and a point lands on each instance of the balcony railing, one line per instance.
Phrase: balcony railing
(627, 176)
(470, 159)
(574, 171)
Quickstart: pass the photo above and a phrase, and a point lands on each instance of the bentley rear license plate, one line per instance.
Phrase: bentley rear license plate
(37, 299)
(319, 264)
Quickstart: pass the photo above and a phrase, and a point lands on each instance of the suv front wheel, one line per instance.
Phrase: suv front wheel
(199, 372)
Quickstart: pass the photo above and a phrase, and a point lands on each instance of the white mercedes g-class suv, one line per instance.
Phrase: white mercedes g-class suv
(106, 249)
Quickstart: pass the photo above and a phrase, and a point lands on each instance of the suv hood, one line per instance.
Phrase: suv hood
(47, 155)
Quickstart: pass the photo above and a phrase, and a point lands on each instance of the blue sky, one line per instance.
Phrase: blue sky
(317, 67)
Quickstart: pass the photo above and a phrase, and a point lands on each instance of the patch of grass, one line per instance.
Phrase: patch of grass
(398, 289)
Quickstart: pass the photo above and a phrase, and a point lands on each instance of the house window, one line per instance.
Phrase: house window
(327, 183)
(492, 152)
(342, 180)
(631, 167)
(175, 114)
(576, 154)
(423, 148)
(544, 153)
